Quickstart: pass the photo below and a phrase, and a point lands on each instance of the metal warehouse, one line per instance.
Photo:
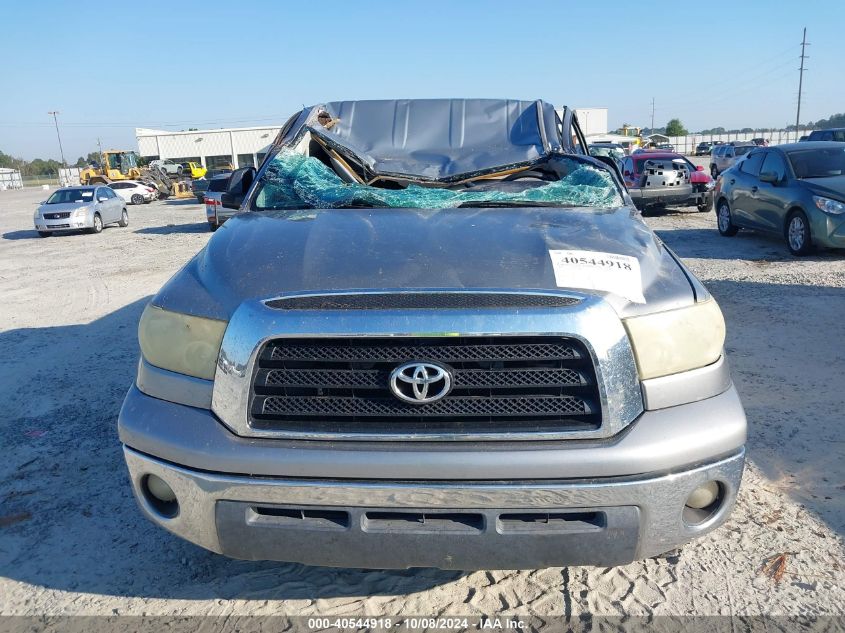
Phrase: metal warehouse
(242, 147)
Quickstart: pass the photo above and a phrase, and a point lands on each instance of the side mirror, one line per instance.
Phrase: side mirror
(238, 186)
(769, 176)
(699, 168)
(101, 199)
(230, 201)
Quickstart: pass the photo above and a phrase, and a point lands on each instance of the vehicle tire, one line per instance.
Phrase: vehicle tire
(714, 173)
(797, 233)
(706, 204)
(724, 221)
(98, 224)
(137, 198)
(213, 226)
(179, 170)
(45, 233)
(124, 219)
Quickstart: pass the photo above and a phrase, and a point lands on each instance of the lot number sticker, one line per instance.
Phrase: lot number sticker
(591, 270)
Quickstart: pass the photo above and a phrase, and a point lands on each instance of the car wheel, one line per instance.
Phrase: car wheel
(213, 226)
(45, 233)
(124, 219)
(714, 173)
(797, 233)
(724, 221)
(98, 224)
(137, 198)
(706, 204)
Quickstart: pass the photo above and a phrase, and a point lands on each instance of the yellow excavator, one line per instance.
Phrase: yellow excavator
(123, 165)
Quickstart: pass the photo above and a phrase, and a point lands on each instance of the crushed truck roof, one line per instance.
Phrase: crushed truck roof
(431, 139)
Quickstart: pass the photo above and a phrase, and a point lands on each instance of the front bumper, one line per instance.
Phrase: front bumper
(397, 505)
(64, 224)
(827, 229)
(450, 525)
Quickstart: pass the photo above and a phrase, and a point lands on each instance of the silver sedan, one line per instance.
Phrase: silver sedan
(80, 208)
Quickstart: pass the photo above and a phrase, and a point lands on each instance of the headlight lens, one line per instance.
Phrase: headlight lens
(179, 342)
(677, 340)
(829, 206)
(80, 212)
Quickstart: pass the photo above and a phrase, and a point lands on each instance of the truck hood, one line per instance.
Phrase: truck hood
(261, 255)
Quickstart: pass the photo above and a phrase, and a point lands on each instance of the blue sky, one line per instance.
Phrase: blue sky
(111, 67)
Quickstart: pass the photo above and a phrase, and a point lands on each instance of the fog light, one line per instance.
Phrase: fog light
(160, 496)
(161, 491)
(703, 496)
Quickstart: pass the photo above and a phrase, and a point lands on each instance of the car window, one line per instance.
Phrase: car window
(63, 196)
(774, 164)
(818, 163)
(751, 165)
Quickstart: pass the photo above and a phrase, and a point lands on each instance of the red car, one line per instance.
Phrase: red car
(660, 178)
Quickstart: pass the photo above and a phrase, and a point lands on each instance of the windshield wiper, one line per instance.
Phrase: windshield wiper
(511, 203)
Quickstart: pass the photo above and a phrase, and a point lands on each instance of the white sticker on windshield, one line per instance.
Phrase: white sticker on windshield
(591, 270)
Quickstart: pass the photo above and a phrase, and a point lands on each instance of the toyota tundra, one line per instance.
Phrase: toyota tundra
(438, 334)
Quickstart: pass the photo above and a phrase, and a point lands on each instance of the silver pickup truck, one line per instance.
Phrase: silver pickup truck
(438, 335)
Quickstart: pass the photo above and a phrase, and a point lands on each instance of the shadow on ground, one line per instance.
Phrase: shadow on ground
(195, 227)
(745, 245)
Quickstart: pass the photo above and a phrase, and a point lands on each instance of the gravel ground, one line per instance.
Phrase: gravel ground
(73, 542)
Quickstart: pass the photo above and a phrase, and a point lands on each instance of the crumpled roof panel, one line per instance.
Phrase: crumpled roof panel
(439, 139)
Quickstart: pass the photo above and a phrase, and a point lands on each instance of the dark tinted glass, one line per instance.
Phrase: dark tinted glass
(774, 164)
(751, 165)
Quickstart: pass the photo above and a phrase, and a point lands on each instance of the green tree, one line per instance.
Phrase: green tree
(676, 128)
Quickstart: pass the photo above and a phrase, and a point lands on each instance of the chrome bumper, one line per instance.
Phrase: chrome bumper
(450, 525)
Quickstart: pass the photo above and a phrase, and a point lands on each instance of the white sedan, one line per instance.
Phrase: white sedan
(134, 191)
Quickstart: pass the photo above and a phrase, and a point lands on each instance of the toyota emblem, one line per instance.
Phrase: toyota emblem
(420, 383)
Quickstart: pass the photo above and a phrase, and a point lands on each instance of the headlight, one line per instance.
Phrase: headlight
(179, 342)
(829, 206)
(677, 340)
(77, 213)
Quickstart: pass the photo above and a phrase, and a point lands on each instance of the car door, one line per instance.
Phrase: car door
(744, 184)
(117, 205)
(113, 204)
(773, 198)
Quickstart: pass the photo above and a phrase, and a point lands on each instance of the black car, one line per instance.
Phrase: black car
(199, 187)
(795, 190)
(833, 134)
(703, 148)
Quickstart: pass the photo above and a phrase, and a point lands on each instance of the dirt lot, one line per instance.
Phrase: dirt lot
(73, 542)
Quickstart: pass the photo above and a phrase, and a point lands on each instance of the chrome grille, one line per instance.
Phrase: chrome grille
(501, 385)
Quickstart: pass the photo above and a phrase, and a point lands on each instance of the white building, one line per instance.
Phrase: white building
(592, 120)
(242, 147)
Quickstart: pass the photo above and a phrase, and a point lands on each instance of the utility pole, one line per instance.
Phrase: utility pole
(652, 115)
(100, 147)
(801, 82)
(56, 121)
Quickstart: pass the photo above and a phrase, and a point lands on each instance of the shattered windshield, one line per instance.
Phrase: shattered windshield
(295, 181)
